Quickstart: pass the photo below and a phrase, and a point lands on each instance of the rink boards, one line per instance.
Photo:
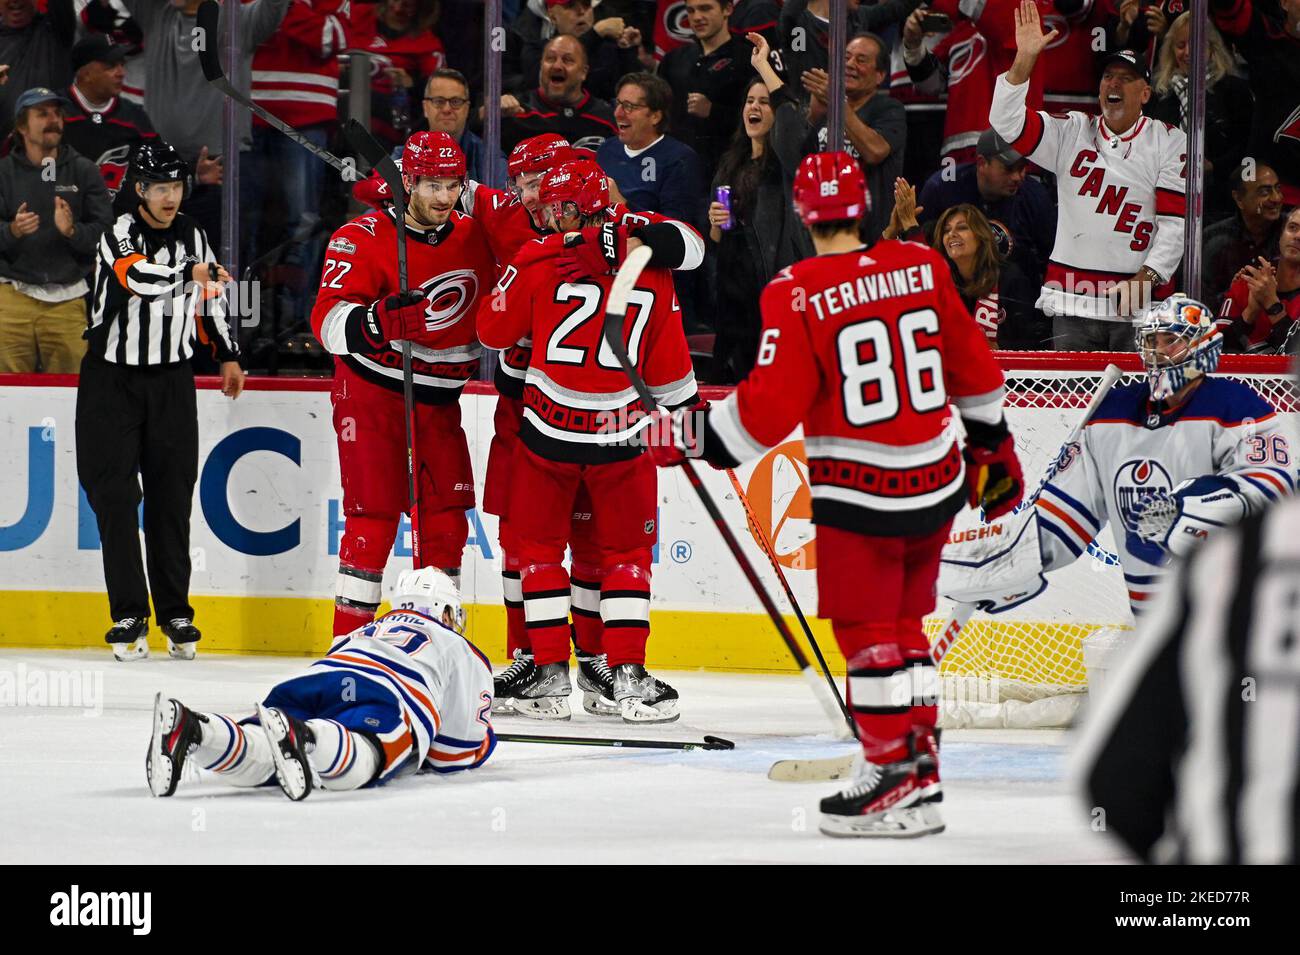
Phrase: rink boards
(267, 520)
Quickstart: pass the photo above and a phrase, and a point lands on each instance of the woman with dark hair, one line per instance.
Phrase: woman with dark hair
(760, 235)
(996, 291)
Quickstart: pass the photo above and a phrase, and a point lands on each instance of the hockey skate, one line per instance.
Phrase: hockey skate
(882, 803)
(642, 698)
(291, 740)
(182, 636)
(129, 638)
(927, 778)
(544, 693)
(506, 683)
(176, 731)
(596, 682)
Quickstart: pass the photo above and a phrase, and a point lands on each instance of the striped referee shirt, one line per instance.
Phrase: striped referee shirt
(1192, 753)
(145, 311)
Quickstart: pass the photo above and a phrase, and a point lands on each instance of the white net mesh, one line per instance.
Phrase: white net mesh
(1026, 666)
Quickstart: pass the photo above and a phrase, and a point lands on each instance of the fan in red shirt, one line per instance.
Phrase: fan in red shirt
(866, 347)
(361, 317)
(581, 430)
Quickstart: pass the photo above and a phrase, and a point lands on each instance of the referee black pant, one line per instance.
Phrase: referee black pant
(140, 425)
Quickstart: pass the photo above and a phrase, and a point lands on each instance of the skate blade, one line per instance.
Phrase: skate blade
(297, 777)
(158, 768)
(909, 823)
(551, 708)
(635, 711)
(180, 651)
(502, 705)
(136, 650)
(598, 704)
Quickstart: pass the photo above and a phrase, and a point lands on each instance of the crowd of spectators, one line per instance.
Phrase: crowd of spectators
(676, 99)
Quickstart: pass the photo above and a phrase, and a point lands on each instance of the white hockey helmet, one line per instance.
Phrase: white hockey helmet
(429, 591)
(1193, 350)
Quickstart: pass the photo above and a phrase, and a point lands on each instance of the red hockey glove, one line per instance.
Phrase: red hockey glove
(674, 436)
(993, 478)
(373, 191)
(398, 317)
(595, 250)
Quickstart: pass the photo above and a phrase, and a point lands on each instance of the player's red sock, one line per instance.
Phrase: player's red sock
(512, 591)
(925, 678)
(546, 611)
(625, 611)
(879, 688)
(588, 629)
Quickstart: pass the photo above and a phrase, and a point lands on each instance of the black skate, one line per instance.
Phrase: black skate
(927, 778)
(596, 682)
(506, 683)
(544, 693)
(176, 731)
(129, 638)
(181, 635)
(883, 803)
(291, 740)
(642, 698)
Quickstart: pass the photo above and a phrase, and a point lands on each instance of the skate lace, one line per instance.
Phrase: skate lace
(600, 667)
(866, 782)
(126, 623)
(515, 670)
(179, 622)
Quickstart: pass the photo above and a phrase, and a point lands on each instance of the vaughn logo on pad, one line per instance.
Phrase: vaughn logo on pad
(75, 908)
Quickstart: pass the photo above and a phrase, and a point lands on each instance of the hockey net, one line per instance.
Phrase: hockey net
(1026, 667)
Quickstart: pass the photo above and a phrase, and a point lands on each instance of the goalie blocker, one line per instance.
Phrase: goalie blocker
(866, 348)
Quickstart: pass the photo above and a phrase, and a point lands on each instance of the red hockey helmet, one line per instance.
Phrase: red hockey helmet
(581, 182)
(830, 186)
(432, 154)
(539, 154)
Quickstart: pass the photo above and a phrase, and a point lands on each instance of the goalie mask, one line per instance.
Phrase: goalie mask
(429, 591)
(1179, 342)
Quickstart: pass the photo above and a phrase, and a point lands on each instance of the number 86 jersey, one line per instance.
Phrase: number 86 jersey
(866, 348)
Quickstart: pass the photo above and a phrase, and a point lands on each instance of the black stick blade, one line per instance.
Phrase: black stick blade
(208, 17)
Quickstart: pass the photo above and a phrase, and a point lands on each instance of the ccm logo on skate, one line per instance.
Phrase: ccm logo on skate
(75, 908)
(450, 296)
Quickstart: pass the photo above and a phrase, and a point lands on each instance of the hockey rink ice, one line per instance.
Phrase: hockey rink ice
(73, 786)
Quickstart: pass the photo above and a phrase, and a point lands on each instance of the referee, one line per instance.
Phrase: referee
(1192, 753)
(136, 414)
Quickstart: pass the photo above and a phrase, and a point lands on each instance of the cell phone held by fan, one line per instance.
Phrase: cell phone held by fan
(936, 23)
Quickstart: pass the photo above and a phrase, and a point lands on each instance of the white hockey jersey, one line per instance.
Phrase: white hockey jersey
(1128, 451)
(1121, 198)
(441, 681)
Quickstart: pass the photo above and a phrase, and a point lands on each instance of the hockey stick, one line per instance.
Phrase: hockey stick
(838, 767)
(208, 17)
(615, 313)
(372, 150)
(710, 742)
(850, 729)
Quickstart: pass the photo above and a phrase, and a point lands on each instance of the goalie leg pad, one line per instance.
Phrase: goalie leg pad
(995, 566)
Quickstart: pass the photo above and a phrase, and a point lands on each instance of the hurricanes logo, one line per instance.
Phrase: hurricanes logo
(677, 24)
(781, 498)
(1136, 480)
(1290, 128)
(113, 165)
(965, 56)
(1056, 22)
(450, 296)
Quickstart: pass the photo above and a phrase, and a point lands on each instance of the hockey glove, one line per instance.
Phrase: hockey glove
(595, 250)
(674, 436)
(1177, 522)
(993, 477)
(396, 318)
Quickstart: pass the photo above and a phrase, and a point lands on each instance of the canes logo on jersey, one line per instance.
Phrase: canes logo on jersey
(450, 296)
(113, 164)
(1135, 480)
(1290, 128)
(965, 57)
(677, 22)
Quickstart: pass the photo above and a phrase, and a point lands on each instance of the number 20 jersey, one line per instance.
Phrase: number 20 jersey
(866, 348)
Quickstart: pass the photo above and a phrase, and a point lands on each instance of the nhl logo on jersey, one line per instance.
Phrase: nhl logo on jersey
(1136, 480)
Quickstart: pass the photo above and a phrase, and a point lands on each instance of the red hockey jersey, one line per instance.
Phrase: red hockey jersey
(866, 349)
(454, 266)
(296, 71)
(578, 404)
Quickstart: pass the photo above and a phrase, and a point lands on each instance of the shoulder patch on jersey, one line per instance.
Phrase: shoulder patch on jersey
(368, 223)
(342, 246)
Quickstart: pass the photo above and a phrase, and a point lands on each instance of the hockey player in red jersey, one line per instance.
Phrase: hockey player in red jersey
(866, 347)
(580, 430)
(361, 317)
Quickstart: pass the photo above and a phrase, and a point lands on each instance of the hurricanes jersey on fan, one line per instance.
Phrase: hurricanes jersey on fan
(1121, 196)
(866, 349)
(441, 681)
(452, 264)
(578, 404)
(1129, 451)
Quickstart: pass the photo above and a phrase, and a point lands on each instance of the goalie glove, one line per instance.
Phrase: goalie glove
(994, 481)
(1176, 522)
(595, 250)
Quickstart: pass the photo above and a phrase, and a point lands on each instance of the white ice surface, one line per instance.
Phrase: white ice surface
(73, 788)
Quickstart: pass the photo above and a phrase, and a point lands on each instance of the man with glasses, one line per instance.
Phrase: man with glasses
(446, 110)
(1251, 234)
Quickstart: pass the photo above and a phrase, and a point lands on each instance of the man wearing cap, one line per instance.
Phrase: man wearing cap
(99, 124)
(34, 47)
(1120, 191)
(53, 209)
(996, 183)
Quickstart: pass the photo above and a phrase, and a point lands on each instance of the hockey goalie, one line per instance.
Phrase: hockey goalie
(1165, 461)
